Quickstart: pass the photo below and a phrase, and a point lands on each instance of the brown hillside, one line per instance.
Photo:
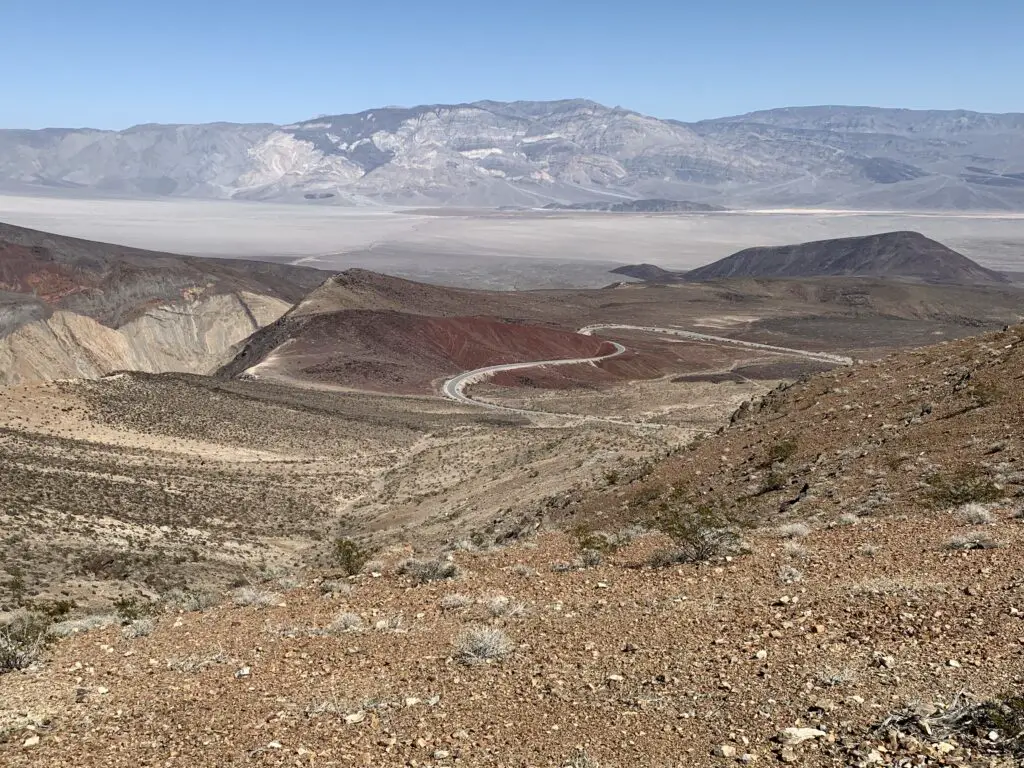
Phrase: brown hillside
(915, 431)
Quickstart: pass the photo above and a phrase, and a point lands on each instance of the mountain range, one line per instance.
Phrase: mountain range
(532, 154)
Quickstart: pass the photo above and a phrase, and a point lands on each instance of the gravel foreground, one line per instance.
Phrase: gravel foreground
(613, 665)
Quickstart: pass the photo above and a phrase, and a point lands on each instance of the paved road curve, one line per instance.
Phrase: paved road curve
(455, 387)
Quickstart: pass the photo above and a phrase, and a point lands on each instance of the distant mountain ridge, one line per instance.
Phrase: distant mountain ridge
(889, 254)
(533, 154)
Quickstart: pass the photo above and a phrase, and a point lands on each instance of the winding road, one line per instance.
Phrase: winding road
(455, 387)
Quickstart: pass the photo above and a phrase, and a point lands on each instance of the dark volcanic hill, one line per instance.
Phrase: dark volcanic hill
(76, 308)
(889, 254)
(649, 273)
(370, 331)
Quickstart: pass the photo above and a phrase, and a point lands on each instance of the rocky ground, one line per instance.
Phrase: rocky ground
(835, 629)
(833, 580)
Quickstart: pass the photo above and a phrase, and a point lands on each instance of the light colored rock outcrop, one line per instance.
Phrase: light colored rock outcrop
(190, 337)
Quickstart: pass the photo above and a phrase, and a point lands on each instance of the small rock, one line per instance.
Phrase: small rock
(102, 691)
(953, 663)
(243, 672)
(412, 701)
(874, 758)
(724, 750)
(761, 655)
(274, 745)
(794, 736)
(787, 755)
(993, 735)
(31, 741)
(441, 754)
(355, 717)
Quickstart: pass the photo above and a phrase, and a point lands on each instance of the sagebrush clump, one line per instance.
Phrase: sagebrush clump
(476, 645)
(22, 641)
(424, 571)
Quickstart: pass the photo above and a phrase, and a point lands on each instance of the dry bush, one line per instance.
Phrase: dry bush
(345, 622)
(76, 626)
(476, 645)
(500, 605)
(795, 549)
(22, 641)
(424, 571)
(793, 531)
(190, 600)
(962, 487)
(455, 602)
(335, 587)
(697, 535)
(847, 518)
(350, 556)
(138, 628)
(787, 574)
(969, 541)
(248, 596)
(975, 514)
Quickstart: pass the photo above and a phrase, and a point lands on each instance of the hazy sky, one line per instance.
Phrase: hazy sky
(111, 64)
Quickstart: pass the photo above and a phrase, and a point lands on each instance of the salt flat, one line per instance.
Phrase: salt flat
(502, 249)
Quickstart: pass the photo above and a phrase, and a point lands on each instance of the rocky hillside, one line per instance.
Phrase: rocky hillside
(370, 331)
(73, 308)
(889, 254)
(833, 580)
(912, 433)
(533, 153)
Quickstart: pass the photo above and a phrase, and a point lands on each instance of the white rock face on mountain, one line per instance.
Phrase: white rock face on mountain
(530, 153)
(186, 337)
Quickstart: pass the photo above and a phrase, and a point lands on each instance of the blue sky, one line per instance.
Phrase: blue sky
(112, 64)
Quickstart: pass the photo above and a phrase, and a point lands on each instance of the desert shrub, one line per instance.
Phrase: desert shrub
(476, 645)
(247, 596)
(964, 486)
(345, 622)
(22, 641)
(697, 535)
(787, 574)
(847, 518)
(455, 601)
(975, 514)
(794, 548)
(349, 556)
(794, 531)
(138, 628)
(335, 587)
(591, 558)
(500, 605)
(562, 567)
(130, 609)
(390, 624)
(781, 451)
(89, 623)
(971, 541)
(773, 481)
(424, 571)
(869, 549)
(190, 600)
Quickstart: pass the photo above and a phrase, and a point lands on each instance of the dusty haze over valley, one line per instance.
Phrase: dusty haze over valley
(482, 247)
